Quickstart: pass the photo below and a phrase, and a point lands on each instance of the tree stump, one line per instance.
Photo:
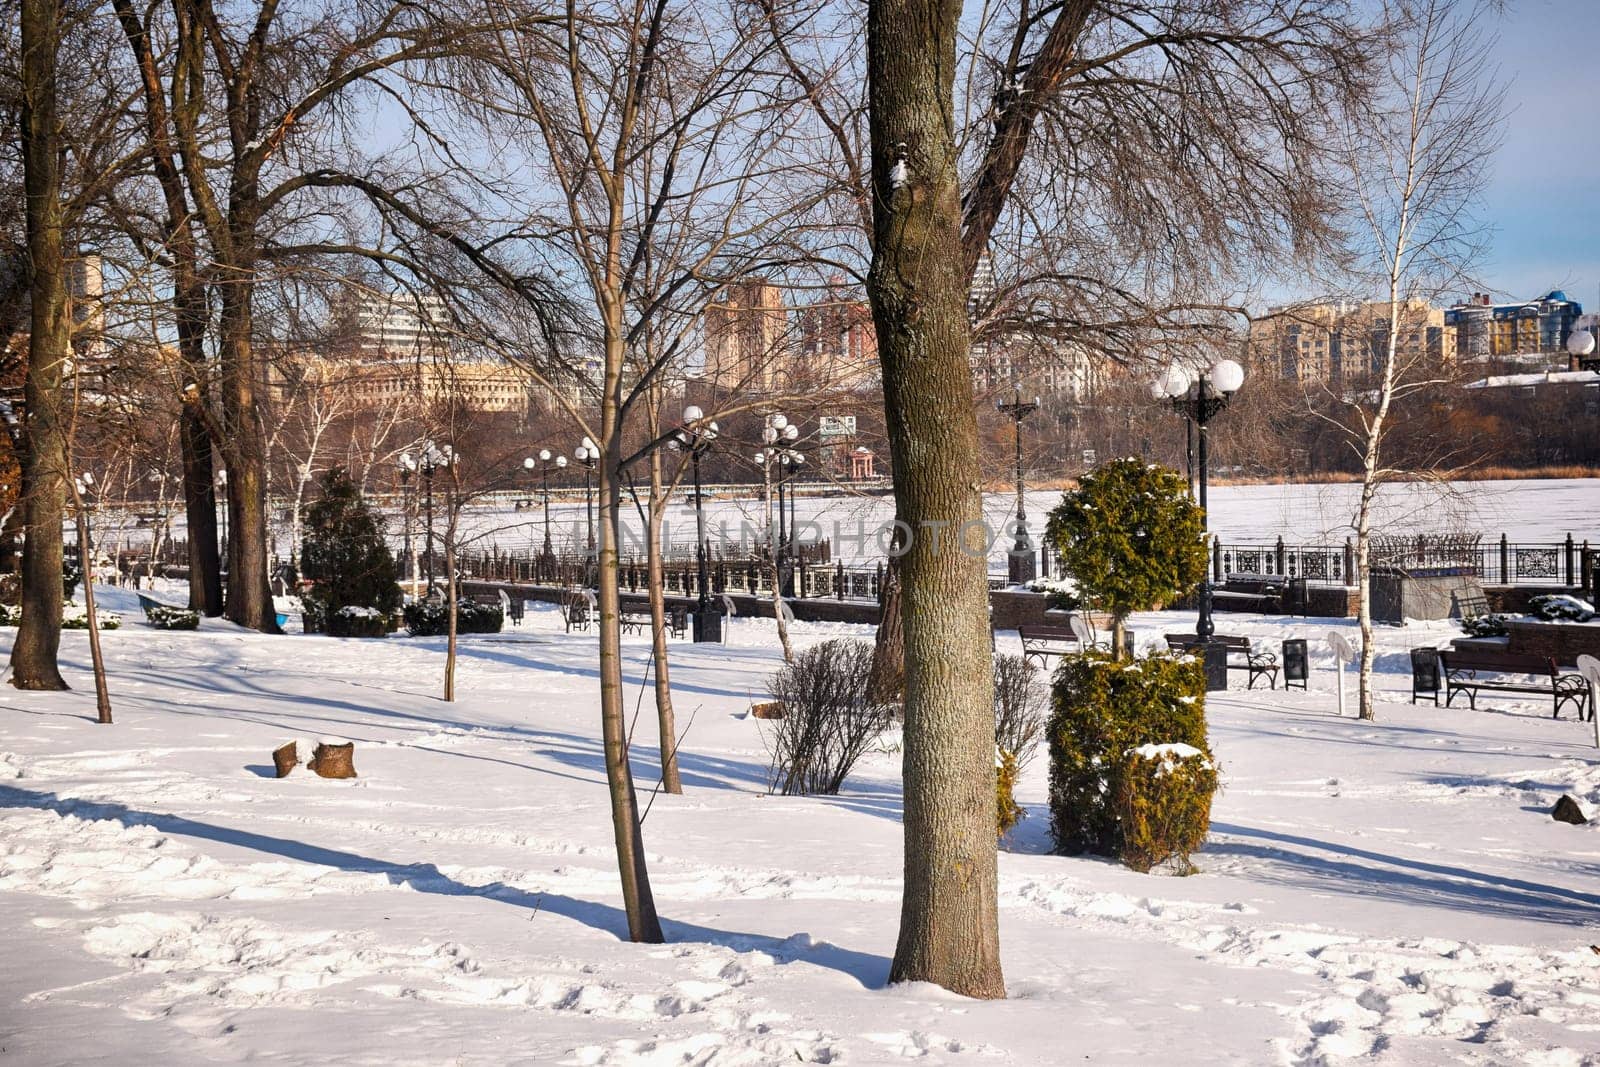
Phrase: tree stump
(286, 759)
(334, 760)
(1568, 810)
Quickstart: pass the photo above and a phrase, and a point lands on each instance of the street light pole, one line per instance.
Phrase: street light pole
(588, 453)
(1021, 565)
(697, 438)
(1200, 399)
(405, 467)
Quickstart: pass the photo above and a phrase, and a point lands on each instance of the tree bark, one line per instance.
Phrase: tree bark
(666, 718)
(949, 931)
(249, 601)
(44, 464)
(637, 899)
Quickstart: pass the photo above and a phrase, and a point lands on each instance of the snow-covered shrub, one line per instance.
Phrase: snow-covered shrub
(76, 617)
(165, 618)
(1018, 708)
(1163, 805)
(1006, 810)
(828, 721)
(1062, 592)
(1103, 710)
(353, 620)
(1559, 607)
(431, 618)
(1491, 625)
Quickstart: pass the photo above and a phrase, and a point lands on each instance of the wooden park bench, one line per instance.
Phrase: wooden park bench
(1511, 672)
(1241, 656)
(635, 616)
(1039, 643)
(1249, 592)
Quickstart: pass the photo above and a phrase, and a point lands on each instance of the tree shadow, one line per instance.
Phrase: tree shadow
(1362, 872)
(870, 970)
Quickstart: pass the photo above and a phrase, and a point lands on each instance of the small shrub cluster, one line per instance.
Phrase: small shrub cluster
(355, 621)
(73, 617)
(1491, 625)
(1559, 607)
(1007, 812)
(1163, 805)
(1019, 703)
(1103, 711)
(431, 618)
(828, 721)
(1061, 594)
(164, 618)
(76, 617)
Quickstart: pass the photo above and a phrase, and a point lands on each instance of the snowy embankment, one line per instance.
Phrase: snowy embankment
(1391, 892)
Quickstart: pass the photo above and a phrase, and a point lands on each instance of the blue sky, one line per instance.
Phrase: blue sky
(1543, 198)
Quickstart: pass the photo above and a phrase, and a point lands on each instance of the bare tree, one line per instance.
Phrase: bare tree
(1417, 167)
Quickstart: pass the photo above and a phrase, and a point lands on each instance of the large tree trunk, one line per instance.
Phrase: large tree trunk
(666, 718)
(200, 515)
(949, 932)
(249, 592)
(637, 900)
(44, 464)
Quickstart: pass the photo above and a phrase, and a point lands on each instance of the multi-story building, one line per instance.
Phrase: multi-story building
(1336, 341)
(746, 338)
(1533, 328)
(838, 344)
(479, 386)
(396, 325)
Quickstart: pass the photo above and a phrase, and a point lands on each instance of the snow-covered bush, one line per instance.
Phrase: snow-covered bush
(76, 617)
(828, 722)
(430, 618)
(353, 620)
(1491, 625)
(1103, 710)
(1006, 810)
(1018, 708)
(1062, 592)
(1163, 805)
(165, 618)
(1559, 607)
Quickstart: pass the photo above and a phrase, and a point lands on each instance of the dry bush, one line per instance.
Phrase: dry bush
(828, 721)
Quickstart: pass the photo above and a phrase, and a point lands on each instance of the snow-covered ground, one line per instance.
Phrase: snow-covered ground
(1391, 892)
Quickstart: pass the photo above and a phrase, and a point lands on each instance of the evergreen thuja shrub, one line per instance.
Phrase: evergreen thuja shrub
(1130, 537)
(1163, 805)
(347, 560)
(1102, 710)
(1007, 811)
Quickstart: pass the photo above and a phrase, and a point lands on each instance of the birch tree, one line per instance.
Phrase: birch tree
(1417, 169)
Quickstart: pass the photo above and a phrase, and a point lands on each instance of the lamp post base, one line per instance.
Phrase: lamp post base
(1022, 565)
(707, 627)
(1214, 655)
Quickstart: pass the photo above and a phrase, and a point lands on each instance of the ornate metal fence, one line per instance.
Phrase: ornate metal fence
(1498, 562)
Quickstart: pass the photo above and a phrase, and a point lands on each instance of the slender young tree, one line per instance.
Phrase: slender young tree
(1417, 166)
(949, 922)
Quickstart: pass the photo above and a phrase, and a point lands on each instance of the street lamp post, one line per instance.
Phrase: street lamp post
(222, 489)
(1021, 565)
(1199, 399)
(588, 454)
(544, 464)
(405, 465)
(696, 435)
(434, 458)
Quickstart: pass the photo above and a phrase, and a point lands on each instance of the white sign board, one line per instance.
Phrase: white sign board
(833, 427)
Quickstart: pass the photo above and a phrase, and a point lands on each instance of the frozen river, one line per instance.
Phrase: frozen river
(1527, 511)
